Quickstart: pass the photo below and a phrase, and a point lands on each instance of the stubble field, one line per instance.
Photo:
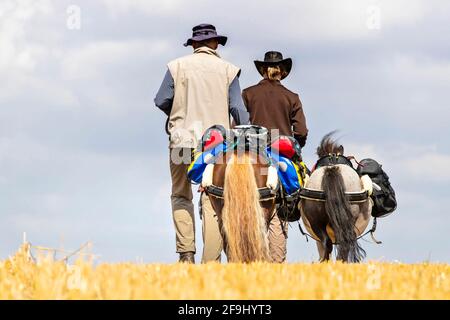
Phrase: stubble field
(23, 278)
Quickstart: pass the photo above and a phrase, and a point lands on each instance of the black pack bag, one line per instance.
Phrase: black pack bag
(384, 201)
(287, 207)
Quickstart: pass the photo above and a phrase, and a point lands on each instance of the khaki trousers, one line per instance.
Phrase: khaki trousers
(212, 237)
(181, 200)
(277, 239)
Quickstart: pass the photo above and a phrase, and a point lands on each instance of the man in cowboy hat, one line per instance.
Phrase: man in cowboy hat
(198, 91)
(273, 106)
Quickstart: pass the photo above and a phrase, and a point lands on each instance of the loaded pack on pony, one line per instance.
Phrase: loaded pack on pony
(284, 153)
(338, 201)
(242, 173)
(383, 195)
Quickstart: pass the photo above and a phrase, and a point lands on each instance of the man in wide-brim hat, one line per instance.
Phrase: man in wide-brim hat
(198, 91)
(205, 32)
(273, 106)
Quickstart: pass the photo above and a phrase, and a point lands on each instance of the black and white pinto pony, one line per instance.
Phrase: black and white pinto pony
(335, 219)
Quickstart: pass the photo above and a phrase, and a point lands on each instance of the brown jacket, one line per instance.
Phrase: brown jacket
(273, 106)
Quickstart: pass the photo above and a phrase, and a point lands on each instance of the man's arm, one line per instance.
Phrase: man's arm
(299, 123)
(164, 97)
(237, 108)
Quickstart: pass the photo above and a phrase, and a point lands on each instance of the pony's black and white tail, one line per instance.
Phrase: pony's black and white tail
(340, 215)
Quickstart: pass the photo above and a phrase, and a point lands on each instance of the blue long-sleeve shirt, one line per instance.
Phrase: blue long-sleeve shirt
(164, 99)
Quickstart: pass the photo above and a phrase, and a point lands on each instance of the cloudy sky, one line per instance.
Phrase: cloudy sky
(83, 152)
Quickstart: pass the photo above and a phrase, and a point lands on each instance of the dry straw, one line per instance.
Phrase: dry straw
(22, 278)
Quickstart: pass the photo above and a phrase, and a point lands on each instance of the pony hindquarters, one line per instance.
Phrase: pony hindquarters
(340, 216)
(243, 218)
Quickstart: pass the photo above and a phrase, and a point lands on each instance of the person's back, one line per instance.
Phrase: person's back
(201, 81)
(272, 106)
(198, 91)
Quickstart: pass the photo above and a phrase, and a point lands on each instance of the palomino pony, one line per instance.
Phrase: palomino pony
(334, 218)
(245, 206)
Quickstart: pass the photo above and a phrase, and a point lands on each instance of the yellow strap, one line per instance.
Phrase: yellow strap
(198, 154)
(297, 170)
(303, 168)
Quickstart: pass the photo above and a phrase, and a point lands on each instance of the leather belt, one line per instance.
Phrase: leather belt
(265, 194)
(319, 195)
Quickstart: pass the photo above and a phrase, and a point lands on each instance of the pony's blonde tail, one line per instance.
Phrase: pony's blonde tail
(243, 218)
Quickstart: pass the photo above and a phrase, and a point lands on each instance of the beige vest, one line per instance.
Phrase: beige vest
(201, 83)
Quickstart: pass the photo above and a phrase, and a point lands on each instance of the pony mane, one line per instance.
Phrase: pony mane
(329, 145)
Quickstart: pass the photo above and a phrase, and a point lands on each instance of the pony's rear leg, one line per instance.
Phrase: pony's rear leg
(329, 249)
(322, 249)
(325, 248)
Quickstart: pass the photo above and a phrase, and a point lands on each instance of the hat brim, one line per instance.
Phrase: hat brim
(221, 39)
(285, 64)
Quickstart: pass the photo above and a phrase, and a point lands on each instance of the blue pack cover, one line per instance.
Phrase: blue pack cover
(201, 160)
(289, 178)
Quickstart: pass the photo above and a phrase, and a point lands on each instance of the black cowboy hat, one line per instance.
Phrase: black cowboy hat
(204, 32)
(274, 58)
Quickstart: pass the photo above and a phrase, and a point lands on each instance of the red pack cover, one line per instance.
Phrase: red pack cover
(214, 138)
(284, 146)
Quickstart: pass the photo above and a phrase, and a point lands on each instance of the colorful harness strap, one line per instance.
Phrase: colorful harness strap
(201, 160)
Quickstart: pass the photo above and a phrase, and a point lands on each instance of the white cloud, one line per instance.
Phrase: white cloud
(361, 151)
(93, 59)
(409, 161)
(411, 68)
(20, 150)
(300, 20)
(150, 7)
(24, 44)
(18, 51)
(346, 19)
(402, 12)
(432, 166)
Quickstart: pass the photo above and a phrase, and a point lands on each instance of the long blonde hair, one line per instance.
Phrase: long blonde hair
(273, 73)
